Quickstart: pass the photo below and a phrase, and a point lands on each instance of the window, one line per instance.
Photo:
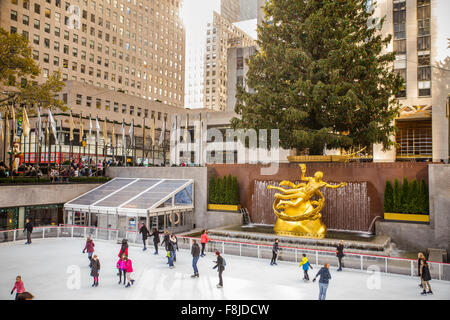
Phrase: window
(88, 101)
(37, 8)
(78, 100)
(57, 32)
(37, 24)
(45, 73)
(56, 61)
(47, 43)
(66, 35)
(47, 12)
(131, 110)
(36, 39)
(124, 108)
(36, 55)
(46, 58)
(116, 107)
(66, 49)
(98, 103)
(25, 19)
(47, 27)
(56, 45)
(74, 66)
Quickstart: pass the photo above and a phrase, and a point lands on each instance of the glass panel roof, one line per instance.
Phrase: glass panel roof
(127, 193)
(101, 192)
(154, 195)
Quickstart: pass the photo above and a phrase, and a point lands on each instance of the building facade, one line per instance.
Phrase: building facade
(136, 47)
(221, 36)
(419, 31)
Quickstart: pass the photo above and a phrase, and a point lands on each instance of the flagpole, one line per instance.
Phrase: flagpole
(105, 147)
(60, 144)
(49, 146)
(89, 145)
(134, 146)
(96, 147)
(80, 139)
(143, 142)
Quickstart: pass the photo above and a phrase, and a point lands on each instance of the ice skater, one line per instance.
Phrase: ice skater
(165, 242)
(89, 247)
(420, 258)
(425, 277)
(121, 268)
(340, 254)
(275, 250)
(174, 239)
(305, 265)
(29, 229)
(145, 234)
(18, 286)
(123, 248)
(95, 269)
(195, 251)
(325, 277)
(204, 240)
(129, 270)
(156, 240)
(171, 251)
(220, 265)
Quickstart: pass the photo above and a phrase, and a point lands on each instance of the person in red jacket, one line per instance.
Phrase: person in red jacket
(123, 248)
(204, 240)
(89, 247)
(18, 285)
(129, 269)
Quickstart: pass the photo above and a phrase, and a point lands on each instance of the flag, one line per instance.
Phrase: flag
(72, 125)
(163, 133)
(52, 123)
(90, 127)
(25, 123)
(143, 133)
(47, 140)
(40, 133)
(153, 132)
(7, 130)
(13, 114)
(131, 132)
(97, 128)
(113, 137)
(105, 133)
(185, 138)
(124, 142)
(1, 131)
(81, 130)
(61, 132)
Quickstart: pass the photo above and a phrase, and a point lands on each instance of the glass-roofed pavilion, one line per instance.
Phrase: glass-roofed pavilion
(123, 202)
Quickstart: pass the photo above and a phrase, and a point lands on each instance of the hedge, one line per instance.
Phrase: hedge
(224, 190)
(22, 180)
(408, 197)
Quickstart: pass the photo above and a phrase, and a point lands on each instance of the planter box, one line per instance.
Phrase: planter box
(407, 217)
(224, 207)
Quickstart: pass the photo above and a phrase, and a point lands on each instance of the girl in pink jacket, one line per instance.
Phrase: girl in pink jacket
(18, 285)
(122, 269)
(129, 269)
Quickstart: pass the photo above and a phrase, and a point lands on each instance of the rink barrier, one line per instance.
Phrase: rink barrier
(352, 260)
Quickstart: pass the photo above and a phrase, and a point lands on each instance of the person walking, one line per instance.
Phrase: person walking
(121, 268)
(123, 248)
(275, 250)
(129, 270)
(305, 265)
(204, 240)
(420, 258)
(156, 240)
(29, 229)
(340, 254)
(95, 269)
(18, 286)
(195, 252)
(89, 247)
(145, 234)
(220, 265)
(325, 277)
(425, 277)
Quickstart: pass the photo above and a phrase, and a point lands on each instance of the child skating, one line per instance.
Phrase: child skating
(305, 266)
(18, 286)
(95, 269)
(89, 247)
(129, 269)
(425, 277)
(122, 269)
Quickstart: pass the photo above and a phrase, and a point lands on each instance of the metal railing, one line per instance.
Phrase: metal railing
(352, 260)
(61, 231)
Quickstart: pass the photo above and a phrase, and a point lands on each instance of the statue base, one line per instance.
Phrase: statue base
(312, 229)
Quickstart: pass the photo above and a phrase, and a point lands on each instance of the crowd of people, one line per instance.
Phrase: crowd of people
(170, 242)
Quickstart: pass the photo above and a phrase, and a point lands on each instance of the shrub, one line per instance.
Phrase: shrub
(224, 190)
(423, 197)
(212, 189)
(404, 207)
(413, 197)
(388, 197)
(396, 205)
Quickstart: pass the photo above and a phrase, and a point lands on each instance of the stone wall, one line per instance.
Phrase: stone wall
(40, 194)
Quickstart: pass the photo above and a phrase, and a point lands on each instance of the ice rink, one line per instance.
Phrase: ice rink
(49, 269)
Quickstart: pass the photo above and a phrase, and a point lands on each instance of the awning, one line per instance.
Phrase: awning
(136, 197)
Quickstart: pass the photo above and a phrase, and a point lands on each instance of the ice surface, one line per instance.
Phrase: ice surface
(43, 266)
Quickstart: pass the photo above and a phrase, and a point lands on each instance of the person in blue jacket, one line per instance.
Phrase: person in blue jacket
(325, 277)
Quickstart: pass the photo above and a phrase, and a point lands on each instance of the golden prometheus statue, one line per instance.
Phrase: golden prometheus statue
(297, 214)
